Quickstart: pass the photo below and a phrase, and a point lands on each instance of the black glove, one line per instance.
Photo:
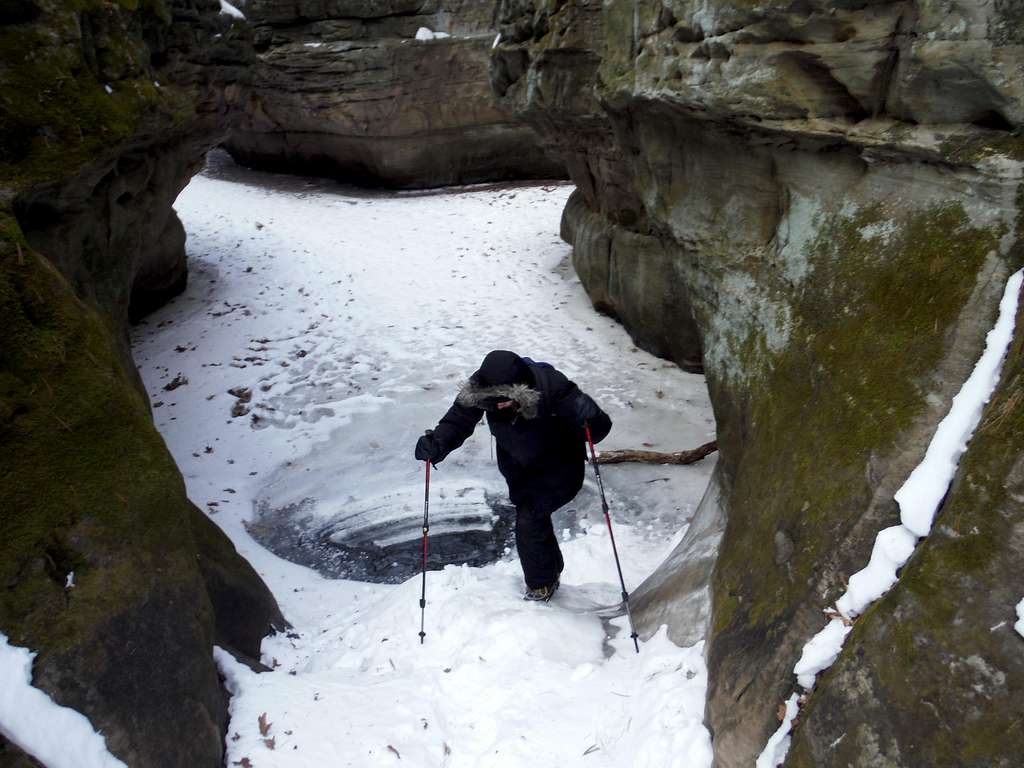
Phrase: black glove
(427, 448)
(587, 412)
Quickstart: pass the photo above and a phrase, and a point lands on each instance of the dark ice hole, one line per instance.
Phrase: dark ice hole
(345, 545)
(335, 549)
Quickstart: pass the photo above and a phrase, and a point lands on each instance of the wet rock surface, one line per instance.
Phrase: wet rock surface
(347, 90)
(833, 193)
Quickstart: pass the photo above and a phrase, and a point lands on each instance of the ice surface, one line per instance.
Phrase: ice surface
(350, 317)
(1019, 625)
(59, 737)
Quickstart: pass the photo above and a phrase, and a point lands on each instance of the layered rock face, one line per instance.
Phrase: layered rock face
(821, 203)
(345, 89)
(109, 573)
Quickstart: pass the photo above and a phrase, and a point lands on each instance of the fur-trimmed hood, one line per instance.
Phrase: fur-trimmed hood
(473, 395)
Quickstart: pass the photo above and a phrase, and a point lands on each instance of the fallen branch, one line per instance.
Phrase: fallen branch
(657, 457)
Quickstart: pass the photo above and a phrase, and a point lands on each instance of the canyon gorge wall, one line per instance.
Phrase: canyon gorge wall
(815, 203)
(346, 89)
(109, 573)
(819, 204)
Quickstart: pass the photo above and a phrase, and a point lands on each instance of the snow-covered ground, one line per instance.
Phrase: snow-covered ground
(344, 321)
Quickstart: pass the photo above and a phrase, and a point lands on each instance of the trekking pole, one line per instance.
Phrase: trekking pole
(611, 534)
(426, 528)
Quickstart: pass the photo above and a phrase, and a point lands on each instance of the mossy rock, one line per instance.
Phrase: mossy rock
(935, 671)
(12, 757)
(243, 607)
(81, 79)
(86, 483)
(88, 487)
(852, 378)
(816, 436)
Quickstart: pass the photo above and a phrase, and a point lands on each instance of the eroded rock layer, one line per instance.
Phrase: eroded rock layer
(821, 202)
(345, 89)
(109, 573)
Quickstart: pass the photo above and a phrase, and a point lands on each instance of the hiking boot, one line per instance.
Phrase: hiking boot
(542, 594)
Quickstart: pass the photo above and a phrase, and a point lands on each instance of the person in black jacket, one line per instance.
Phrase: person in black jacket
(537, 417)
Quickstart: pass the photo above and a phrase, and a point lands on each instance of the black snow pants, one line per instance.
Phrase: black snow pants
(538, 547)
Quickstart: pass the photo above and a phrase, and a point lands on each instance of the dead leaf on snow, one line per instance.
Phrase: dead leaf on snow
(177, 381)
(270, 743)
(392, 749)
(264, 725)
(242, 393)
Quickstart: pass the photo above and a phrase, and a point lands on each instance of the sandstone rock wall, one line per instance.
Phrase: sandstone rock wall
(344, 89)
(822, 201)
(106, 110)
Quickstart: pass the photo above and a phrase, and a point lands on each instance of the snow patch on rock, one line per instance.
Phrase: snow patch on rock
(425, 33)
(821, 652)
(777, 747)
(893, 547)
(59, 737)
(921, 494)
(228, 9)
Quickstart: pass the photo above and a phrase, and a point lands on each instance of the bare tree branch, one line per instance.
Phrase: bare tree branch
(657, 457)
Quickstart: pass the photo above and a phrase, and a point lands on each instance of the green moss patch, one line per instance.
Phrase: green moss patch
(938, 664)
(84, 471)
(866, 331)
(55, 113)
(973, 149)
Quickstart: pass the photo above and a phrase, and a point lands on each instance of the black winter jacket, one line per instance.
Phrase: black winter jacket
(541, 446)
